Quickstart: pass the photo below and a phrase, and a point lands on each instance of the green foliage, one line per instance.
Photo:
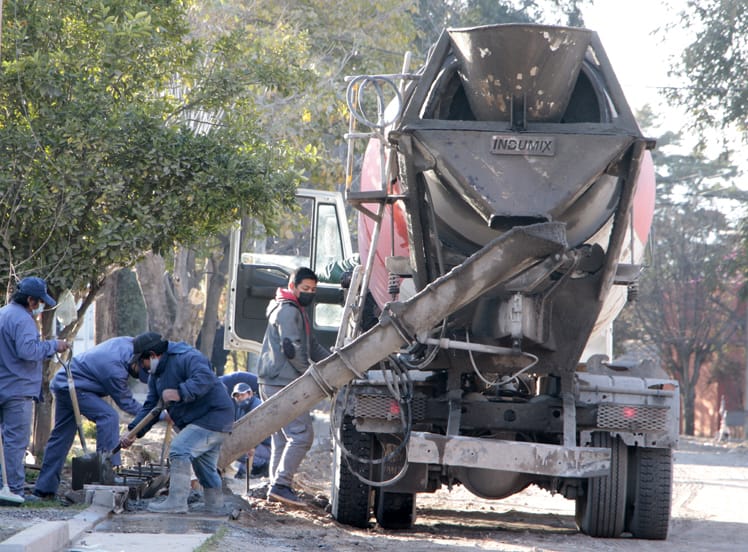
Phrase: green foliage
(341, 37)
(121, 133)
(689, 291)
(741, 259)
(715, 63)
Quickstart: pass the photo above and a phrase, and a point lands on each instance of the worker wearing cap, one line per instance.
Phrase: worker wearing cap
(200, 408)
(288, 348)
(240, 376)
(100, 372)
(21, 354)
(245, 401)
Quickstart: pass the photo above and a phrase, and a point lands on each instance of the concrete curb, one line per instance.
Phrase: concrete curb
(51, 536)
(85, 521)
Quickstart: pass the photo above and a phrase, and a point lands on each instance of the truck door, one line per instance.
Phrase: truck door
(315, 236)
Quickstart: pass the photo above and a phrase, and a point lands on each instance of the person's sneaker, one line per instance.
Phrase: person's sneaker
(40, 496)
(241, 474)
(281, 493)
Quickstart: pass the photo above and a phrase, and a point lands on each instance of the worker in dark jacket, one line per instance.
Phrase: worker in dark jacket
(289, 346)
(200, 408)
(21, 354)
(100, 372)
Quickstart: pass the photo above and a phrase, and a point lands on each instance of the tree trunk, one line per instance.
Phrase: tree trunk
(42, 425)
(120, 309)
(216, 270)
(104, 322)
(689, 401)
(188, 298)
(173, 301)
(151, 272)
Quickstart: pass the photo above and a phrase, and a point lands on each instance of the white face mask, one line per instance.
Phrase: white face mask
(38, 309)
(154, 365)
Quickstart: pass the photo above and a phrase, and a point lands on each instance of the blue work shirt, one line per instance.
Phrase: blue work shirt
(102, 371)
(21, 353)
(203, 399)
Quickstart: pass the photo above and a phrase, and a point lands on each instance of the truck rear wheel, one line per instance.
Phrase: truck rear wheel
(351, 498)
(650, 492)
(395, 510)
(600, 511)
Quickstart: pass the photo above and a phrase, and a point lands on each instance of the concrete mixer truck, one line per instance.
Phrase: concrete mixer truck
(504, 198)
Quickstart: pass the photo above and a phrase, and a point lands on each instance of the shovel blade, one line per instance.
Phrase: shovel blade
(86, 470)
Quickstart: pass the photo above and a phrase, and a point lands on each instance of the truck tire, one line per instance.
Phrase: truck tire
(650, 492)
(395, 510)
(601, 510)
(351, 498)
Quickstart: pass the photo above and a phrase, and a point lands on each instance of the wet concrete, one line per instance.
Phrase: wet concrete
(118, 542)
(176, 524)
(148, 531)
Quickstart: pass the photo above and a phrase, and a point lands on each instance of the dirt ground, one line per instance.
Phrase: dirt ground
(710, 491)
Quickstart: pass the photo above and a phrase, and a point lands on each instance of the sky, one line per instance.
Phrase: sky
(641, 61)
(639, 58)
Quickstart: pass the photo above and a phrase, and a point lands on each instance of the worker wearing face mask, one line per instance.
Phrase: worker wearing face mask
(197, 403)
(100, 375)
(289, 346)
(245, 401)
(21, 354)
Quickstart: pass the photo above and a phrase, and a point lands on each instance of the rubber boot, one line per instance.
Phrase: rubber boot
(179, 489)
(213, 502)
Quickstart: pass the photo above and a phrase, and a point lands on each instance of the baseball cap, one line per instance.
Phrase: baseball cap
(148, 341)
(241, 388)
(36, 288)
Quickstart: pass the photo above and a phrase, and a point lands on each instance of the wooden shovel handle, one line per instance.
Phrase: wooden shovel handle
(155, 411)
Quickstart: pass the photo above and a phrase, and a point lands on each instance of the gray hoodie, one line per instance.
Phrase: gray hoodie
(289, 345)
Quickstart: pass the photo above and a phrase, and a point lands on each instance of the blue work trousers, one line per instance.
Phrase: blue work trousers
(260, 458)
(15, 419)
(201, 447)
(63, 434)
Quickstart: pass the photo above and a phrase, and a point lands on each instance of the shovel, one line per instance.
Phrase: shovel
(66, 315)
(88, 458)
(97, 467)
(74, 400)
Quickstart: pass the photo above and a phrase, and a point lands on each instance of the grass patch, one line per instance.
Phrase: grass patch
(213, 541)
(53, 504)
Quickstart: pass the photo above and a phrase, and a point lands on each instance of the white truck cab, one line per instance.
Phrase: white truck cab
(316, 236)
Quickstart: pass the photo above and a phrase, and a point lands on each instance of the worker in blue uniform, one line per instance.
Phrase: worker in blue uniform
(245, 401)
(21, 354)
(231, 380)
(100, 372)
